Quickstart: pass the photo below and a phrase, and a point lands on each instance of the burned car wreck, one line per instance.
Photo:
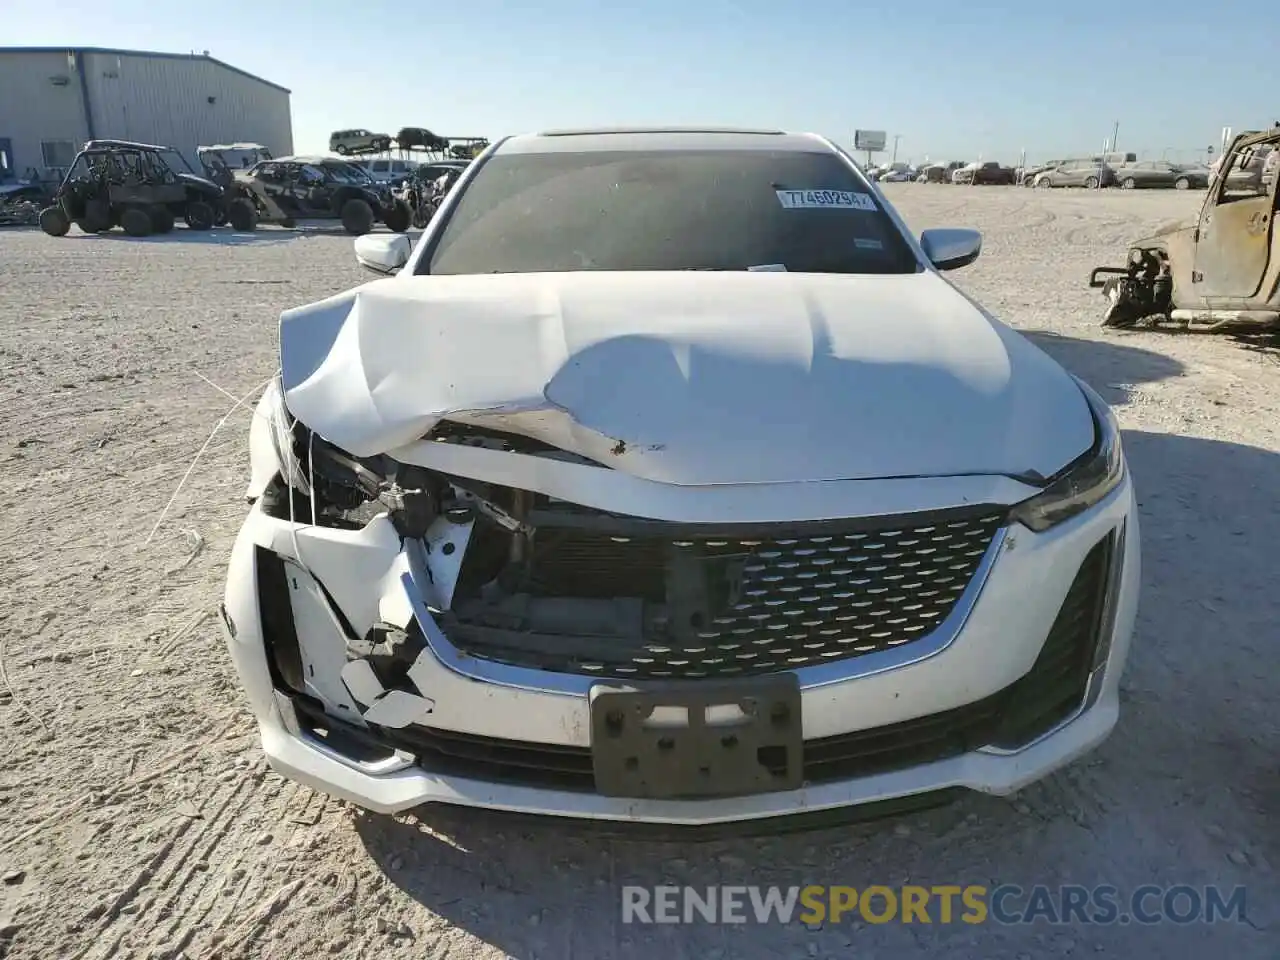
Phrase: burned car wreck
(1220, 272)
(552, 541)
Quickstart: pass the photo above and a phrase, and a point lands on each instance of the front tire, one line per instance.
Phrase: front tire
(200, 215)
(1043, 183)
(1129, 183)
(357, 217)
(97, 217)
(161, 219)
(341, 150)
(398, 217)
(1091, 183)
(243, 215)
(54, 222)
(1182, 183)
(136, 222)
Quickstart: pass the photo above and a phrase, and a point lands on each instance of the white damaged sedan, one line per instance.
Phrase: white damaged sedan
(668, 480)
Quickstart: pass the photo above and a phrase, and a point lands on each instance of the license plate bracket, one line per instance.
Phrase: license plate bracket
(697, 739)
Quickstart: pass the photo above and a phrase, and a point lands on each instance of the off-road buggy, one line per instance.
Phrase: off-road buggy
(1220, 271)
(140, 187)
(289, 189)
(221, 160)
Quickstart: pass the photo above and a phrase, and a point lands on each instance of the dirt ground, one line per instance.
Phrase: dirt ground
(137, 818)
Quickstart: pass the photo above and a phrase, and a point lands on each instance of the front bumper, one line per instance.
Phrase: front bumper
(368, 576)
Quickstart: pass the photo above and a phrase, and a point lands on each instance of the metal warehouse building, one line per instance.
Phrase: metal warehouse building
(52, 99)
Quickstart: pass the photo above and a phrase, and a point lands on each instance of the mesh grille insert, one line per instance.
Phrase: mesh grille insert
(730, 606)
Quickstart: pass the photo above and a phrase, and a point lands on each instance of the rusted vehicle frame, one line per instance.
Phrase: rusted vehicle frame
(1218, 273)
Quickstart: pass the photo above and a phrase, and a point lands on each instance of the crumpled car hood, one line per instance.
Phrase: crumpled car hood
(690, 378)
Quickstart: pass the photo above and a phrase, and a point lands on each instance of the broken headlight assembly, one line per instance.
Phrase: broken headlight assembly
(1086, 482)
(331, 487)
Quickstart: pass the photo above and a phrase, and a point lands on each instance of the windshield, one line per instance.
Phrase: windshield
(347, 173)
(175, 161)
(668, 210)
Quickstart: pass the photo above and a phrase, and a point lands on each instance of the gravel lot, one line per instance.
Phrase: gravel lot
(137, 818)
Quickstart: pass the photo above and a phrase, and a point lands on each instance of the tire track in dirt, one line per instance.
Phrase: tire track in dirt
(212, 886)
(269, 884)
(1076, 793)
(1108, 232)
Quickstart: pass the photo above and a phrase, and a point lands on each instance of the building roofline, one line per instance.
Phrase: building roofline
(147, 53)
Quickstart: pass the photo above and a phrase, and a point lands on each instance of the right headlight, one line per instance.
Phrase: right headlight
(1087, 481)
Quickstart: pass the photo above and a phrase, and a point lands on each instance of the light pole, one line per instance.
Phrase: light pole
(896, 138)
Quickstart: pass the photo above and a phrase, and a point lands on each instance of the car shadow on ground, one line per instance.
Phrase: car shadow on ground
(1188, 776)
(1111, 368)
(219, 236)
(225, 236)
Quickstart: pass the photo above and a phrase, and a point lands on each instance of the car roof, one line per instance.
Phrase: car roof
(312, 158)
(233, 146)
(663, 138)
(121, 145)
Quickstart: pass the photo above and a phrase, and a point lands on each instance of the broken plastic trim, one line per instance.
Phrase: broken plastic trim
(337, 485)
(280, 636)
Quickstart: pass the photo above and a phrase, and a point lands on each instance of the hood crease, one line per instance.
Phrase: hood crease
(690, 378)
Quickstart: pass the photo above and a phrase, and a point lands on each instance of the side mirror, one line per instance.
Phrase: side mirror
(951, 249)
(382, 253)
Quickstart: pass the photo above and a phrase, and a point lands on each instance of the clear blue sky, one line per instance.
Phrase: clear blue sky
(953, 79)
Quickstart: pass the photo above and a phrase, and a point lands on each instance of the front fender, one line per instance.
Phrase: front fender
(268, 435)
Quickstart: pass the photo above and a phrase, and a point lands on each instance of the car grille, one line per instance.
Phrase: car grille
(830, 592)
(1040, 700)
(1055, 685)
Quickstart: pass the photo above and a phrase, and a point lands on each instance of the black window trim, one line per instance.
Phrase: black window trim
(424, 253)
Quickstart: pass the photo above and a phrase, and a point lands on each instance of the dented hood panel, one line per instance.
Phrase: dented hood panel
(690, 378)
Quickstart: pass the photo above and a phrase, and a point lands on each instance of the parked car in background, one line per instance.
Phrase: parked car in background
(933, 173)
(1159, 174)
(980, 174)
(904, 175)
(385, 170)
(1251, 171)
(1076, 173)
(358, 140)
(420, 138)
(1026, 176)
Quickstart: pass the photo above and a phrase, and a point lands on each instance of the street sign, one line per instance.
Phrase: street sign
(872, 141)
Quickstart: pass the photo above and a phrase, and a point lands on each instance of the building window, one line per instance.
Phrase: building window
(58, 153)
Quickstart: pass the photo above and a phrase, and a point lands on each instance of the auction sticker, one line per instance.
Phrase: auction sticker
(825, 199)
